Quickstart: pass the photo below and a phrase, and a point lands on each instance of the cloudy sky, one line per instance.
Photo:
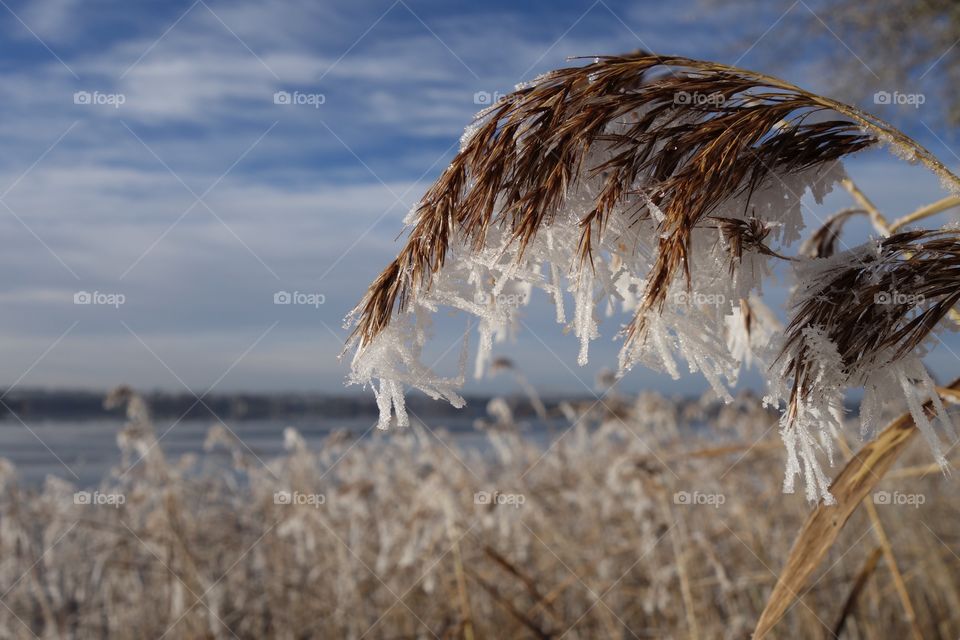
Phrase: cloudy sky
(146, 153)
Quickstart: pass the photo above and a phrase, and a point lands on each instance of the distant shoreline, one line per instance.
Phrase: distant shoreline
(65, 405)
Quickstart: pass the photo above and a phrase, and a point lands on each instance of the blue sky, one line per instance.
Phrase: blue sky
(144, 154)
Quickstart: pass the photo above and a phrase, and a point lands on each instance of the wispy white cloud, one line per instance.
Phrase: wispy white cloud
(315, 201)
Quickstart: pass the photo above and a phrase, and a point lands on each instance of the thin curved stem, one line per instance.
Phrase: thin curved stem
(878, 220)
(925, 212)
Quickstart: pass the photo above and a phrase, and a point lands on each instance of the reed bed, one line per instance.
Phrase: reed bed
(641, 518)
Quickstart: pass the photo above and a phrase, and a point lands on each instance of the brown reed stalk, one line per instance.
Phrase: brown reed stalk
(854, 483)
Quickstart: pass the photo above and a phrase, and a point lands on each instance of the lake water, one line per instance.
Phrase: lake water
(89, 448)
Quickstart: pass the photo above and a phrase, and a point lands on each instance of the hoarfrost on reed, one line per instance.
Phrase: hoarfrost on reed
(663, 189)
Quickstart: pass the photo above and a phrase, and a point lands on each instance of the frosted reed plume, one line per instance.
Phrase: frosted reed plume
(663, 188)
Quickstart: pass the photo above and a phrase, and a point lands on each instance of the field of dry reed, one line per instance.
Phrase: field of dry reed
(631, 524)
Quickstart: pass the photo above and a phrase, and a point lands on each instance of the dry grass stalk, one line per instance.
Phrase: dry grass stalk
(880, 533)
(454, 535)
(944, 204)
(678, 542)
(510, 607)
(822, 527)
(867, 570)
(878, 220)
(529, 583)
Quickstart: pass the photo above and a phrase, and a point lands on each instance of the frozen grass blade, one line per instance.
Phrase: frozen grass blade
(823, 526)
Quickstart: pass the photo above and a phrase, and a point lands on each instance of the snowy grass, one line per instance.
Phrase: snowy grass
(631, 525)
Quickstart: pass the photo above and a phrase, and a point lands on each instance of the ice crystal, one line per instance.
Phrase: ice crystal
(494, 286)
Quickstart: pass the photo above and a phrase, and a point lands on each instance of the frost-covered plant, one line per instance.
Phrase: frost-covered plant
(611, 527)
(666, 187)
